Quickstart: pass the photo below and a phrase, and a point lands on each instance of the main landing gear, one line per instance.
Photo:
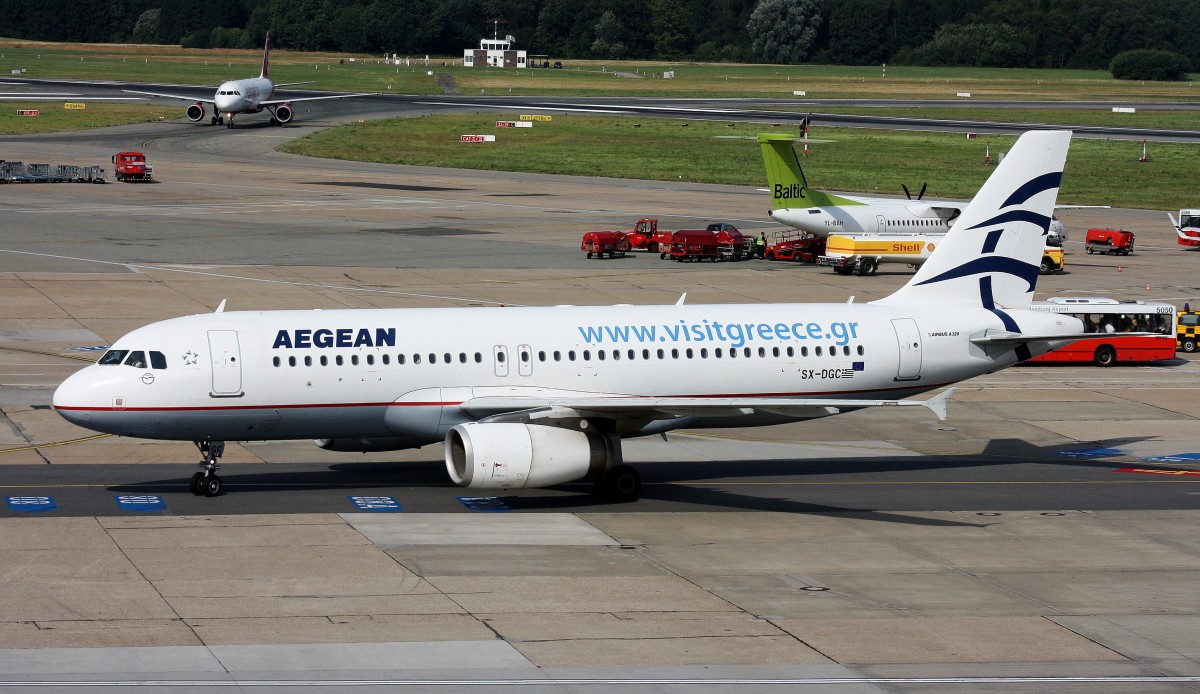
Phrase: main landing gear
(218, 120)
(622, 483)
(208, 482)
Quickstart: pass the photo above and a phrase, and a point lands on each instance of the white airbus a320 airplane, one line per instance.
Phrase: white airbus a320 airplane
(534, 397)
(250, 95)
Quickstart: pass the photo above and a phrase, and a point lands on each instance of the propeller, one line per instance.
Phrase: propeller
(919, 195)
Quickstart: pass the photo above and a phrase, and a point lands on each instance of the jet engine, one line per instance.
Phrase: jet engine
(195, 112)
(512, 456)
(376, 445)
(284, 113)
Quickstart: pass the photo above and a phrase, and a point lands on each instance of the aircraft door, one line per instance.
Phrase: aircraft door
(524, 360)
(226, 363)
(882, 222)
(500, 354)
(908, 338)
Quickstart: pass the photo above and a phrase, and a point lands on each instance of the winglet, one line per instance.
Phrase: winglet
(1174, 222)
(221, 306)
(681, 298)
(937, 404)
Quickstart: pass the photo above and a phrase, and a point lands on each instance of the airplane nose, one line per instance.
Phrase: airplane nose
(72, 399)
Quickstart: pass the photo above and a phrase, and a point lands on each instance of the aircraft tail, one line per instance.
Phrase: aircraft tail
(266, 56)
(991, 256)
(785, 177)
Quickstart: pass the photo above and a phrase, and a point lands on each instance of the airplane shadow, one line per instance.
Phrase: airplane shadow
(673, 483)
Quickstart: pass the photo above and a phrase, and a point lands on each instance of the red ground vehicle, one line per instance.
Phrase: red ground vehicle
(1121, 329)
(794, 244)
(1110, 241)
(646, 236)
(132, 166)
(597, 243)
(731, 243)
(693, 244)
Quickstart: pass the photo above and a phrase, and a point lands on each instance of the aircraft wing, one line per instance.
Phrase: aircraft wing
(276, 102)
(171, 96)
(669, 407)
(1009, 338)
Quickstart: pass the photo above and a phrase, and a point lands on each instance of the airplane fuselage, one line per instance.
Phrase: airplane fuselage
(871, 217)
(406, 372)
(243, 96)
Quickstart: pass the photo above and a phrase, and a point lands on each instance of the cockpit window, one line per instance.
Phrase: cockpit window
(136, 359)
(158, 360)
(113, 356)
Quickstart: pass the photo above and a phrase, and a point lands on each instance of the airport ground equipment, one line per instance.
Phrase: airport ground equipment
(1109, 241)
(794, 245)
(598, 243)
(19, 172)
(1187, 227)
(692, 245)
(1187, 330)
(862, 254)
(132, 166)
(731, 243)
(646, 236)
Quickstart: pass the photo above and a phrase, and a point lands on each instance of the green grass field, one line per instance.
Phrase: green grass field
(871, 161)
(53, 117)
(1164, 119)
(171, 64)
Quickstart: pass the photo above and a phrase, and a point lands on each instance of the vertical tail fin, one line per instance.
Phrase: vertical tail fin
(266, 56)
(991, 256)
(785, 177)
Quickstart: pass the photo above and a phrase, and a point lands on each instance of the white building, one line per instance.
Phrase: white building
(494, 52)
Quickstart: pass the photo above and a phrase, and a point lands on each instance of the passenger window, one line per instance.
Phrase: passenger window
(804, 351)
(478, 358)
(775, 351)
(354, 360)
(791, 352)
(386, 359)
(631, 354)
(275, 361)
(499, 357)
(818, 351)
(688, 352)
(136, 359)
(462, 357)
(113, 356)
(524, 357)
(674, 354)
(158, 360)
(746, 351)
(717, 353)
(616, 355)
(704, 353)
(600, 354)
(307, 360)
(860, 350)
(370, 360)
(762, 351)
(557, 355)
(338, 360)
(324, 360)
(660, 354)
(646, 354)
(587, 355)
(571, 355)
(400, 359)
(446, 358)
(291, 361)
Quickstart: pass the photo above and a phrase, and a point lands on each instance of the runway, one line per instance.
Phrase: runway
(1043, 533)
(747, 110)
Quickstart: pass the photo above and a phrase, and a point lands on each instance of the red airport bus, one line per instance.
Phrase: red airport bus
(1112, 321)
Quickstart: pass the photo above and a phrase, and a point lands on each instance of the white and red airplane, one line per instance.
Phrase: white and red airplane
(250, 95)
(541, 396)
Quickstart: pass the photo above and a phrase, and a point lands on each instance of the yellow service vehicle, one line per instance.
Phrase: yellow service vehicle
(1187, 330)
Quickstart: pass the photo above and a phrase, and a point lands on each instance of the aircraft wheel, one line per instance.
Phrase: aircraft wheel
(212, 485)
(197, 484)
(1105, 356)
(220, 120)
(274, 120)
(213, 121)
(622, 482)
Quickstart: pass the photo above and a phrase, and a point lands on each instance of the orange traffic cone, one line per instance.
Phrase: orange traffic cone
(1120, 269)
(1147, 286)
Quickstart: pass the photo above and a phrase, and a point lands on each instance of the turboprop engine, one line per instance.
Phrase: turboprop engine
(513, 456)
(195, 112)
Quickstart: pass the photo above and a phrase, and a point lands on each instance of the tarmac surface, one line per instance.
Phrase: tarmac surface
(1042, 538)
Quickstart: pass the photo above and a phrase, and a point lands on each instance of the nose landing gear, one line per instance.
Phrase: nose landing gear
(207, 482)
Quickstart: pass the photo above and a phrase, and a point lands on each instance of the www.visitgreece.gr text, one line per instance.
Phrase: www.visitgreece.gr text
(734, 334)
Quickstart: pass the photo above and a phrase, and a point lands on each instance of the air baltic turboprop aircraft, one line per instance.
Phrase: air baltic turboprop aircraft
(541, 396)
(250, 95)
(794, 203)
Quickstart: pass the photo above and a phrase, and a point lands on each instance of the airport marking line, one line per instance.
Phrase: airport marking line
(1152, 471)
(32, 447)
(515, 682)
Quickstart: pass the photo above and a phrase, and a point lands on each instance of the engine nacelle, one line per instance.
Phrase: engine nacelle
(514, 456)
(284, 113)
(195, 112)
(375, 445)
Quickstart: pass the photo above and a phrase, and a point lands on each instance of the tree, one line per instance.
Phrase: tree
(610, 36)
(782, 31)
(977, 45)
(1149, 64)
(669, 28)
(858, 32)
(146, 29)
